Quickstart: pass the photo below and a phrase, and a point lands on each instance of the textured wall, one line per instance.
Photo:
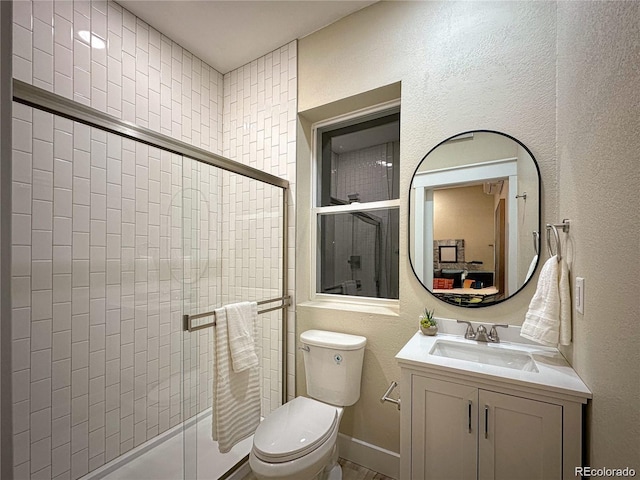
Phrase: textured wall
(463, 66)
(599, 178)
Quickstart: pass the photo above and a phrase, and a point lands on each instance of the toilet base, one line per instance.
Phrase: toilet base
(335, 473)
(320, 464)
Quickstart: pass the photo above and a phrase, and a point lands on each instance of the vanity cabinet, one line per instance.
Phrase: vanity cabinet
(460, 431)
(478, 411)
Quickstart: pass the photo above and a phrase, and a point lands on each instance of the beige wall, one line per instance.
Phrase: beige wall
(599, 175)
(527, 213)
(466, 213)
(475, 65)
(462, 66)
(483, 147)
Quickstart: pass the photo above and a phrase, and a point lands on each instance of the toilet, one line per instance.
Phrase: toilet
(298, 441)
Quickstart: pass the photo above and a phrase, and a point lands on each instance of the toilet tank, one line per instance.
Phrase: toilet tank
(333, 366)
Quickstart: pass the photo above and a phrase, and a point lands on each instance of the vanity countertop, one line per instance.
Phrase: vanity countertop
(554, 374)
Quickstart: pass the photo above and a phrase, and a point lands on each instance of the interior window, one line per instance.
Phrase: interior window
(357, 207)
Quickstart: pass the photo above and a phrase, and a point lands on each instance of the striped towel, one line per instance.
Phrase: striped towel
(236, 395)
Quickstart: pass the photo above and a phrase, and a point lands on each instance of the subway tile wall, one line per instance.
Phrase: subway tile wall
(140, 76)
(366, 171)
(100, 273)
(259, 129)
(99, 290)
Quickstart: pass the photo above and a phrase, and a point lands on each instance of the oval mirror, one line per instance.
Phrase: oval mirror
(474, 218)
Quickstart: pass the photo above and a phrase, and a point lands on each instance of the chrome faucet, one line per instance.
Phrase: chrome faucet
(481, 335)
(493, 333)
(470, 334)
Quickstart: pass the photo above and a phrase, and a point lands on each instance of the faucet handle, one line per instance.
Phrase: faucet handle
(470, 333)
(493, 333)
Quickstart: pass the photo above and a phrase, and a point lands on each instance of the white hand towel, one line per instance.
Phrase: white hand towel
(542, 321)
(241, 319)
(565, 303)
(532, 267)
(236, 396)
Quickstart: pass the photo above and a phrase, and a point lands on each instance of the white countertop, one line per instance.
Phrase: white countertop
(554, 372)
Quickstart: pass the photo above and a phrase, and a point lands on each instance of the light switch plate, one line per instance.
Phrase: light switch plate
(579, 294)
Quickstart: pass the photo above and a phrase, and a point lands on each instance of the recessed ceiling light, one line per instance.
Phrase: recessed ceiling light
(92, 39)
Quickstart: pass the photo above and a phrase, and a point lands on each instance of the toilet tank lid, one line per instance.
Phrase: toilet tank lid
(339, 341)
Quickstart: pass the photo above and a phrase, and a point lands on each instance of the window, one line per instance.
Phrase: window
(356, 206)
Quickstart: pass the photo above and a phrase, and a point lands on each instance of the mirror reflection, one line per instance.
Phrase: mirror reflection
(474, 218)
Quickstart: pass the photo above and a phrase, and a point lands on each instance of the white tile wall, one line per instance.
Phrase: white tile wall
(98, 297)
(141, 76)
(100, 276)
(260, 104)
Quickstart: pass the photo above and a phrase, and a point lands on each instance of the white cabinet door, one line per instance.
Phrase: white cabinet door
(519, 439)
(443, 430)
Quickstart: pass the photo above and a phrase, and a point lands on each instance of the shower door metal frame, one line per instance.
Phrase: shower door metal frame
(41, 99)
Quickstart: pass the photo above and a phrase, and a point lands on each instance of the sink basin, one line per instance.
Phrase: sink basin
(487, 354)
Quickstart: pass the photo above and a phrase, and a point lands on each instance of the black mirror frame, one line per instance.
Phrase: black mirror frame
(535, 162)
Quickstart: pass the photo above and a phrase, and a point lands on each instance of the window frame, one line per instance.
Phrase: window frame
(352, 118)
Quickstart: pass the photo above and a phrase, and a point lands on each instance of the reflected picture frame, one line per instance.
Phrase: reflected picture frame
(448, 253)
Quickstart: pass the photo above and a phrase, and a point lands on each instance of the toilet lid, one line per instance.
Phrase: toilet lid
(294, 429)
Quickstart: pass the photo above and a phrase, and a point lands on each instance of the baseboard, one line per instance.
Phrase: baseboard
(369, 456)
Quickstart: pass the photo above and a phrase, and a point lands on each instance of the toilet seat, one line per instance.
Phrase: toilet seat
(294, 430)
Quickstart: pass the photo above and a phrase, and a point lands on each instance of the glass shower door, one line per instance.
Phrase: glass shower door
(198, 196)
(231, 251)
(118, 240)
(100, 250)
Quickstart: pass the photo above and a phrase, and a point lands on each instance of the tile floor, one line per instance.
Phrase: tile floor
(350, 471)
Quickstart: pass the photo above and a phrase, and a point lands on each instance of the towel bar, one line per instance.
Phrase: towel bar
(189, 327)
(554, 227)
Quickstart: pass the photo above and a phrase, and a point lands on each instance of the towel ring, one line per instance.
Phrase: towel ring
(558, 245)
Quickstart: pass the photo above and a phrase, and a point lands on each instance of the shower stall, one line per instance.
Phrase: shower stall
(118, 233)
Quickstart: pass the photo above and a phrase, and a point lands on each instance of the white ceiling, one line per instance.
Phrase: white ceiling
(229, 34)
